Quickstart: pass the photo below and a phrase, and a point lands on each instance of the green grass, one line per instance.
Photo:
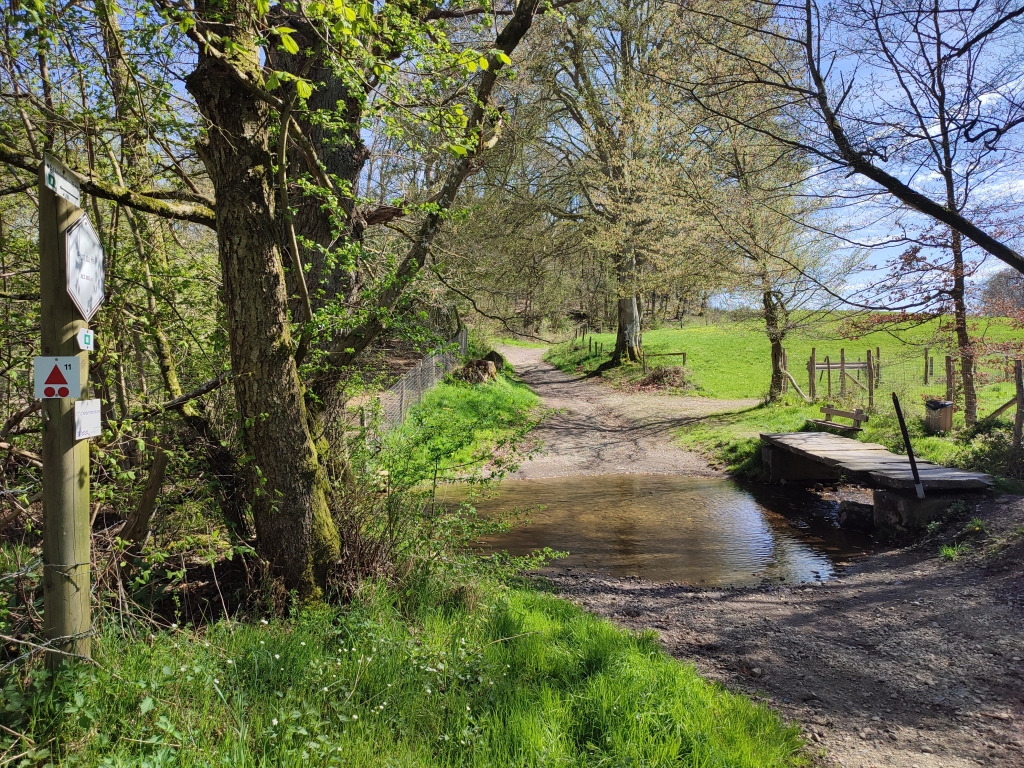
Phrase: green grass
(494, 677)
(459, 426)
(732, 360)
(953, 551)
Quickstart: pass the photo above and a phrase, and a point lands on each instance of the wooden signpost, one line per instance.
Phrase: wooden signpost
(64, 272)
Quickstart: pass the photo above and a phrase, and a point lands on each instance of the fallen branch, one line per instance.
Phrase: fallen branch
(34, 459)
(19, 417)
(172, 405)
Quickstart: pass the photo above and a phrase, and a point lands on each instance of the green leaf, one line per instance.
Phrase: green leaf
(459, 150)
(289, 44)
(484, 64)
(147, 705)
(304, 89)
(503, 58)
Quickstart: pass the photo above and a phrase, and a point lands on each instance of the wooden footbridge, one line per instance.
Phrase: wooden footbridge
(822, 456)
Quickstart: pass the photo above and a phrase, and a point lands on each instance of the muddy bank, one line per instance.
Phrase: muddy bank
(905, 660)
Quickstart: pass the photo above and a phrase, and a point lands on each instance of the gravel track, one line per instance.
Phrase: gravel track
(595, 430)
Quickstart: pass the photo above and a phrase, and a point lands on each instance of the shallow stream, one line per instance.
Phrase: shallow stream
(694, 530)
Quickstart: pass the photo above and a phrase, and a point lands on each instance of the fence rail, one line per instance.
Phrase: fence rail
(410, 387)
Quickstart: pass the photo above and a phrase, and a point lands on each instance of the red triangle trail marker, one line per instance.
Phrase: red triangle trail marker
(56, 377)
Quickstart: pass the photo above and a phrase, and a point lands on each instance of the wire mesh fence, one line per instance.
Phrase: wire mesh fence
(913, 373)
(394, 403)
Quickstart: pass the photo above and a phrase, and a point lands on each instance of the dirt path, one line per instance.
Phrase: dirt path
(596, 430)
(905, 661)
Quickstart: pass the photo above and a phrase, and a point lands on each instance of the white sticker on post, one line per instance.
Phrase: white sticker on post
(87, 419)
(56, 377)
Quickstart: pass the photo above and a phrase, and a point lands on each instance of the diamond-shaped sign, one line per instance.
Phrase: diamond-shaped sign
(85, 267)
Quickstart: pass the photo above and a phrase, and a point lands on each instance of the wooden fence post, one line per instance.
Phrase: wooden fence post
(842, 372)
(828, 370)
(878, 366)
(811, 374)
(1018, 424)
(926, 366)
(871, 381)
(950, 383)
(785, 367)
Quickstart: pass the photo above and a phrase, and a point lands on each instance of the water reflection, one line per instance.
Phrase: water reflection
(668, 528)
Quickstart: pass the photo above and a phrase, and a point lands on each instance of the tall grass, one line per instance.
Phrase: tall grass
(481, 676)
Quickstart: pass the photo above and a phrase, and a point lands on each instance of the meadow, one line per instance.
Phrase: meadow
(732, 360)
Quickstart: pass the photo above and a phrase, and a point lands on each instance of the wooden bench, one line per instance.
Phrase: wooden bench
(858, 416)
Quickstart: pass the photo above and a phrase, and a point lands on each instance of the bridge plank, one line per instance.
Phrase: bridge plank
(874, 463)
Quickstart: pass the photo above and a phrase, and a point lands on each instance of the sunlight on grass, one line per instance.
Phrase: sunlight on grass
(521, 678)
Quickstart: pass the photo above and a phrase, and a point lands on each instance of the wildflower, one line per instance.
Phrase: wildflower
(325, 689)
(274, 721)
(301, 643)
(216, 681)
(277, 655)
(230, 661)
(264, 622)
(355, 717)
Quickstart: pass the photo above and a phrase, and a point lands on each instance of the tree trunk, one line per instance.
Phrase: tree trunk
(136, 169)
(963, 337)
(627, 337)
(773, 322)
(294, 527)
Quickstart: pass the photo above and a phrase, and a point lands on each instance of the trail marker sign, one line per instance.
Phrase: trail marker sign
(57, 377)
(86, 340)
(85, 267)
(62, 180)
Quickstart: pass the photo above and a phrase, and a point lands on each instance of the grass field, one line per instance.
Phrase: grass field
(732, 360)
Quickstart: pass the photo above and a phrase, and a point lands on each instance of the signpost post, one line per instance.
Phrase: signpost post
(66, 557)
